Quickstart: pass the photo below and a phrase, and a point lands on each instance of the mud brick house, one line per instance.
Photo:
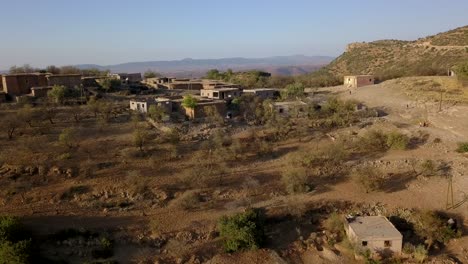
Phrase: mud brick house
(21, 84)
(356, 81)
(297, 108)
(199, 111)
(375, 233)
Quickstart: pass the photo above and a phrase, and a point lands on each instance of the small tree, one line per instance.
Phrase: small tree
(242, 231)
(213, 116)
(58, 94)
(396, 140)
(68, 137)
(10, 124)
(110, 84)
(295, 181)
(369, 178)
(156, 113)
(189, 102)
(15, 243)
(295, 90)
(151, 74)
(26, 114)
(140, 136)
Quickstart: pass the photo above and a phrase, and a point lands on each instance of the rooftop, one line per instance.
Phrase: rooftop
(373, 227)
(289, 103)
(260, 90)
(364, 75)
(227, 89)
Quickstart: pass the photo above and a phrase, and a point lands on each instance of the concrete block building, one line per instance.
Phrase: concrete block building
(375, 233)
(21, 84)
(127, 77)
(221, 93)
(356, 81)
(287, 109)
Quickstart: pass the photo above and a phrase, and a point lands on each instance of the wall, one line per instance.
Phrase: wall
(70, 81)
(358, 81)
(21, 84)
(375, 245)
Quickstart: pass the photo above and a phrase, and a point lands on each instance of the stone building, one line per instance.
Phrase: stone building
(21, 84)
(374, 233)
(127, 77)
(286, 109)
(355, 81)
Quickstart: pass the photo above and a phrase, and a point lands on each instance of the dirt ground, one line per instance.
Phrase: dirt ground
(137, 223)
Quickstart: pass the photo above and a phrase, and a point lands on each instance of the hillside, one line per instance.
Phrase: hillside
(280, 65)
(432, 55)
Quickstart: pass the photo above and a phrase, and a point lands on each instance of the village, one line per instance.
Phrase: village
(169, 118)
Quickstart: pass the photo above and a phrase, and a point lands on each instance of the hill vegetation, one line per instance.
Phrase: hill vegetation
(389, 59)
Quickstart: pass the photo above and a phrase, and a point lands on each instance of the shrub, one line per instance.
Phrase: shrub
(188, 200)
(373, 141)
(369, 178)
(428, 168)
(462, 147)
(434, 228)
(334, 223)
(396, 140)
(295, 181)
(243, 230)
(420, 253)
(15, 243)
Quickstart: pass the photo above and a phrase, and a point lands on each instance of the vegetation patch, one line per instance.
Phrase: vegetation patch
(243, 231)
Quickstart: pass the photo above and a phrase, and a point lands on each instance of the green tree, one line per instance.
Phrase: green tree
(15, 242)
(151, 74)
(140, 136)
(242, 231)
(189, 102)
(58, 94)
(295, 90)
(110, 84)
(156, 113)
(68, 137)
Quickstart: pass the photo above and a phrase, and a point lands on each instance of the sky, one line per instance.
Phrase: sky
(104, 32)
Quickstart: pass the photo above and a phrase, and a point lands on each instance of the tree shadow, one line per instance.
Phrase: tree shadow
(398, 181)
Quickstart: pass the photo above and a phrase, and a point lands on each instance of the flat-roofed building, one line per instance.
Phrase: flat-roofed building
(355, 81)
(141, 105)
(221, 93)
(286, 109)
(375, 233)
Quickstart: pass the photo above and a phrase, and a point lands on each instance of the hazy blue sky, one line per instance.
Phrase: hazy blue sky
(108, 32)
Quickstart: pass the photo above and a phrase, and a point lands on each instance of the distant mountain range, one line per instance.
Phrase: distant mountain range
(279, 65)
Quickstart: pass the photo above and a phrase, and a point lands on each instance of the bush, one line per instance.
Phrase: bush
(420, 253)
(295, 181)
(188, 200)
(369, 178)
(396, 140)
(242, 231)
(434, 228)
(334, 223)
(15, 242)
(373, 141)
(428, 168)
(462, 147)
